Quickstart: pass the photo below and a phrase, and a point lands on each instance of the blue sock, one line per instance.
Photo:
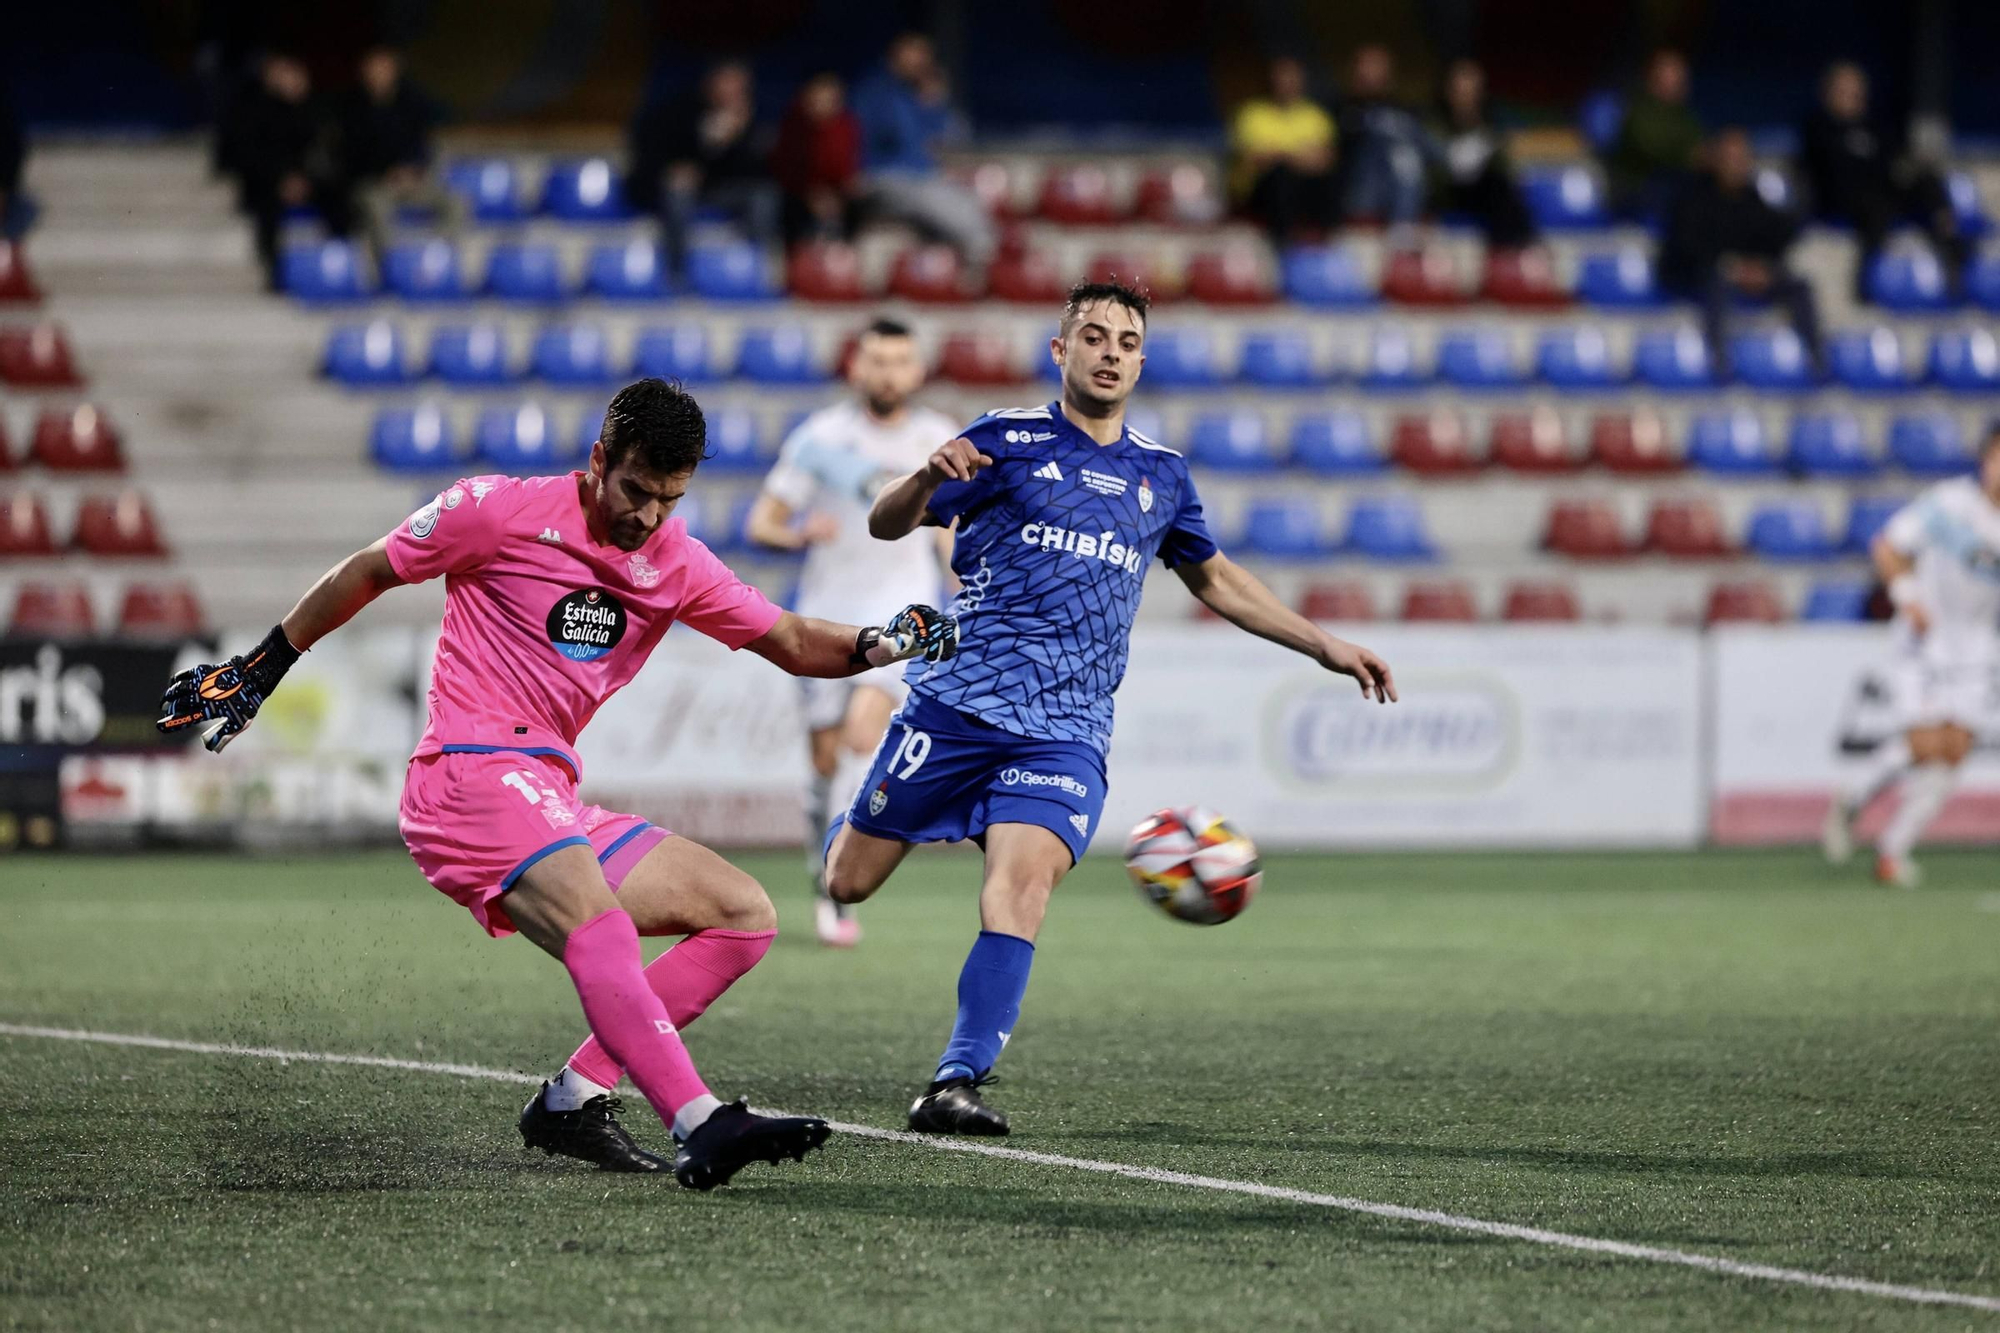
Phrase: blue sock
(990, 987)
(833, 827)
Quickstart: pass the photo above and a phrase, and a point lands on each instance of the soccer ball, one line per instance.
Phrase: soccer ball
(1192, 864)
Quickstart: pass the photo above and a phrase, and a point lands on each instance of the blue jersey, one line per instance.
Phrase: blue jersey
(1054, 541)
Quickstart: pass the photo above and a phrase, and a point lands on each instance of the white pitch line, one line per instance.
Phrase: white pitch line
(1155, 1175)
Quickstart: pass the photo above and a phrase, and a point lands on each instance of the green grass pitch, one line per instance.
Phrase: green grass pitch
(1744, 1055)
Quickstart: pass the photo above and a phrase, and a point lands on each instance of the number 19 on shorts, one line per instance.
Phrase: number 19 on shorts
(911, 751)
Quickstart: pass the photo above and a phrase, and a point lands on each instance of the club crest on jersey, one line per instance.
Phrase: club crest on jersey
(1145, 496)
(586, 624)
(644, 573)
(425, 520)
(879, 801)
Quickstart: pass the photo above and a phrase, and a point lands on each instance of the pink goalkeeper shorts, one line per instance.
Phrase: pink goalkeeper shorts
(475, 820)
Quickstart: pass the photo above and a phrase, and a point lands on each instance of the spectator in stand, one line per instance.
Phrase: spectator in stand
(283, 148)
(818, 162)
(1474, 175)
(1283, 144)
(704, 151)
(1858, 176)
(386, 142)
(906, 116)
(1658, 142)
(1383, 146)
(1724, 242)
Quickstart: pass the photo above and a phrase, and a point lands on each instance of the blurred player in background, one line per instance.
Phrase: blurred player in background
(816, 500)
(1940, 557)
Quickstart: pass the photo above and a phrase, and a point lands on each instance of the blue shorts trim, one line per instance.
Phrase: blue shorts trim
(528, 863)
(621, 840)
(570, 761)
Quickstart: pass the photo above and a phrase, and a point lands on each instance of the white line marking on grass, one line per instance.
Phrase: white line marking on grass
(1154, 1175)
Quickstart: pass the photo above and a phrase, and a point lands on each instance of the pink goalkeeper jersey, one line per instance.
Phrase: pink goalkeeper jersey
(541, 623)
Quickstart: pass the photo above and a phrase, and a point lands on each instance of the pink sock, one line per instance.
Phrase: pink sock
(688, 978)
(603, 961)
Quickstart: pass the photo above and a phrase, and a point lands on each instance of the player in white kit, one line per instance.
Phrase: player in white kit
(1940, 556)
(816, 499)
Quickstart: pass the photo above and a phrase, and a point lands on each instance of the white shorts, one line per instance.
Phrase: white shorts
(1932, 693)
(825, 701)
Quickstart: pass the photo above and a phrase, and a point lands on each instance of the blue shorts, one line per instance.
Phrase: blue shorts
(941, 776)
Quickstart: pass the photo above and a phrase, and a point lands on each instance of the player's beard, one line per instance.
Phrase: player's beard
(883, 408)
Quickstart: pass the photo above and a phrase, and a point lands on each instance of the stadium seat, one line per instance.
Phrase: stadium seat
(1433, 444)
(1230, 277)
(1532, 441)
(471, 354)
(1675, 360)
(1182, 358)
(413, 439)
(633, 271)
(37, 358)
(826, 271)
(24, 526)
(425, 271)
(1343, 600)
(1031, 278)
(1439, 601)
(1390, 528)
(324, 273)
(1790, 531)
(1966, 361)
(1966, 206)
(1335, 444)
(1839, 601)
(930, 275)
(1909, 281)
(1524, 279)
(367, 356)
(1285, 529)
(1743, 602)
(489, 185)
(1178, 196)
(1869, 360)
(1481, 358)
(117, 525)
(1134, 270)
(522, 440)
(1619, 280)
(731, 271)
(1585, 530)
(1633, 443)
(1731, 443)
(52, 610)
(574, 355)
(1771, 359)
(734, 442)
(1829, 444)
(979, 358)
(1279, 359)
(1423, 278)
(160, 611)
(781, 355)
(584, 190)
(1565, 198)
(1390, 361)
(1982, 281)
(1576, 359)
(1540, 604)
(1866, 516)
(8, 462)
(525, 272)
(674, 352)
(77, 439)
(1079, 195)
(17, 285)
(1232, 442)
(1688, 529)
(992, 183)
(1929, 444)
(1326, 277)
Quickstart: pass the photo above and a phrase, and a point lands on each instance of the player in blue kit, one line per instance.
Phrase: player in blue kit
(1059, 512)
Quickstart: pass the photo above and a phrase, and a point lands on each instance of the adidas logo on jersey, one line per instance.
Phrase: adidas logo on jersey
(1049, 471)
(1082, 823)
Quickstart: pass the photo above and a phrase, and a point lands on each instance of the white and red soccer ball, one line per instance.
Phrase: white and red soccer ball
(1192, 864)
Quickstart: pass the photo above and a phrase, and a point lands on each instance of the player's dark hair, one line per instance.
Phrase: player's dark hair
(1086, 294)
(884, 327)
(656, 422)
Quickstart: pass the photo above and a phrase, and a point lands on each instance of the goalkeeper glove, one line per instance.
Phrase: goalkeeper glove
(228, 694)
(916, 630)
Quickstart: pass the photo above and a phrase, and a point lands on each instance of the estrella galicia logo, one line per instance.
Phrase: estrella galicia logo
(586, 625)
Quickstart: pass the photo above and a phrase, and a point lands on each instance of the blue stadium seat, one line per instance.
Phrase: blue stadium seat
(1966, 361)
(1390, 362)
(324, 273)
(675, 352)
(518, 272)
(413, 439)
(781, 355)
(1565, 198)
(1279, 359)
(589, 425)
(733, 442)
(425, 270)
(366, 356)
(1619, 280)
(1326, 276)
(523, 439)
(1673, 359)
(1829, 444)
(1182, 359)
(471, 354)
(489, 185)
(1966, 204)
(1791, 530)
(1929, 444)
(1478, 359)
(1335, 444)
(1232, 442)
(731, 271)
(1836, 601)
(1908, 280)
(1285, 529)
(1866, 516)
(1982, 281)
(1869, 360)
(629, 272)
(1390, 528)
(1731, 443)
(584, 190)
(572, 354)
(1576, 359)
(1771, 359)
(1599, 117)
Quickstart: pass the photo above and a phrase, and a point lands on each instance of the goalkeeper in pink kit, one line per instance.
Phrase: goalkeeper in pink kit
(556, 590)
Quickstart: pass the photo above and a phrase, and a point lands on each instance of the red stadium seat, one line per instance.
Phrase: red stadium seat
(117, 525)
(1532, 442)
(1688, 529)
(53, 610)
(979, 358)
(1423, 277)
(1181, 196)
(1543, 603)
(1439, 601)
(37, 358)
(1029, 278)
(17, 286)
(827, 271)
(24, 526)
(80, 440)
(1434, 444)
(1523, 278)
(1130, 269)
(931, 275)
(1229, 277)
(1586, 530)
(8, 462)
(1745, 602)
(1079, 196)
(160, 611)
(1337, 601)
(1637, 443)
(993, 183)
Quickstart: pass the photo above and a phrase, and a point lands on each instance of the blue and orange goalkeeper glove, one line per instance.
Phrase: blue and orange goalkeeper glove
(227, 693)
(916, 631)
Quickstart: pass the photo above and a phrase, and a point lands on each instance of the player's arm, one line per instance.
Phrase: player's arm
(899, 508)
(807, 647)
(774, 524)
(1898, 571)
(1241, 598)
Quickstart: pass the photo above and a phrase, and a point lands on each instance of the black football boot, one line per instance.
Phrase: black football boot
(953, 1106)
(734, 1136)
(590, 1133)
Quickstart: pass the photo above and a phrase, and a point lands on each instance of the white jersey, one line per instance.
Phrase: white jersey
(828, 466)
(1952, 532)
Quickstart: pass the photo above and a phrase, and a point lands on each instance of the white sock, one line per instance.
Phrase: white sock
(1924, 794)
(849, 772)
(818, 788)
(694, 1114)
(569, 1090)
(1886, 767)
